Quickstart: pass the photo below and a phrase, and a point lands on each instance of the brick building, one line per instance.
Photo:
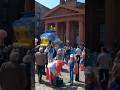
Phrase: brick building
(68, 18)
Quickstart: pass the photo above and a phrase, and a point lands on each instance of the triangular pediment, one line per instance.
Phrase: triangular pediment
(61, 10)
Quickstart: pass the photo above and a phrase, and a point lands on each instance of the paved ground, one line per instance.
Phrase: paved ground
(65, 74)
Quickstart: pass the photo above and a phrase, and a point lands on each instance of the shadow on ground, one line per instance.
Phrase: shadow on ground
(65, 87)
(65, 70)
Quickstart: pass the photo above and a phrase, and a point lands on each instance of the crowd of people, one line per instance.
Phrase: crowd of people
(101, 68)
(16, 71)
(16, 66)
(47, 57)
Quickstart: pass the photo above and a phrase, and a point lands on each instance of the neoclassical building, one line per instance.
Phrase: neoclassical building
(68, 18)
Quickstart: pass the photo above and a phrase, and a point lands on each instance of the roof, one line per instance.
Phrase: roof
(41, 9)
(67, 8)
(37, 4)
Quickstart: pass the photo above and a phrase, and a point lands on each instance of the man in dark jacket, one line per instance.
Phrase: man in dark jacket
(12, 74)
(40, 62)
(29, 64)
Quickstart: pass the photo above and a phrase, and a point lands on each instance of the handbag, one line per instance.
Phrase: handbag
(57, 81)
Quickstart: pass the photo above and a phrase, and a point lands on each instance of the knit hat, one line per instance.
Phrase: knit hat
(71, 56)
(40, 49)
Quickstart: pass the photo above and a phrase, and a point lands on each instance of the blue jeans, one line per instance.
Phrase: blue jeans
(71, 76)
(71, 72)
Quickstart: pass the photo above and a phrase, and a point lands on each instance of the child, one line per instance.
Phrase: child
(71, 63)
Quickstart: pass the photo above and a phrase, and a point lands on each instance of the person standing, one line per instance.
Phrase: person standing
(68, 52)
(27, 60)
(90, 58)
(12, 74)
(59, 55)
(52, 53)
(46, 52)
(78, 53)
(71, 63)
(115, 78)
(104, 63)
(40, 62)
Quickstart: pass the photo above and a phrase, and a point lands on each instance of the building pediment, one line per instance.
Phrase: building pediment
(62, 10)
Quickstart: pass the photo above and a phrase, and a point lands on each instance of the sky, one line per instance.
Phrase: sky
(51, 3)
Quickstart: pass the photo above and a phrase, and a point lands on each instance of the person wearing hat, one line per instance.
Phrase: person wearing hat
(71, 64)
(12, 74)
(40, 62)
(78, 53)
(28, 62)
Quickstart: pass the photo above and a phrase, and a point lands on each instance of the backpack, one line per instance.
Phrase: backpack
(57, 82)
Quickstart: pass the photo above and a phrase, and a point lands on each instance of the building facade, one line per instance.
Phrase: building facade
(68, 18)
(102, 23)
(40, 10)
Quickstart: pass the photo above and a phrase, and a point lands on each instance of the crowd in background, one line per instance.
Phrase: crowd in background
(73, 57)
(101, 67)
(16, 66)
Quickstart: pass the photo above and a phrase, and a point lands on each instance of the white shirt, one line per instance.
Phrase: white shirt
(52, 66)
(78, 51)
(46, 51)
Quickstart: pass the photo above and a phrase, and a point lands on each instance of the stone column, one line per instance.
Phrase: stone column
(81, 33)
(56, 27)
(46, 26)
(67, 32)
(72, 33)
